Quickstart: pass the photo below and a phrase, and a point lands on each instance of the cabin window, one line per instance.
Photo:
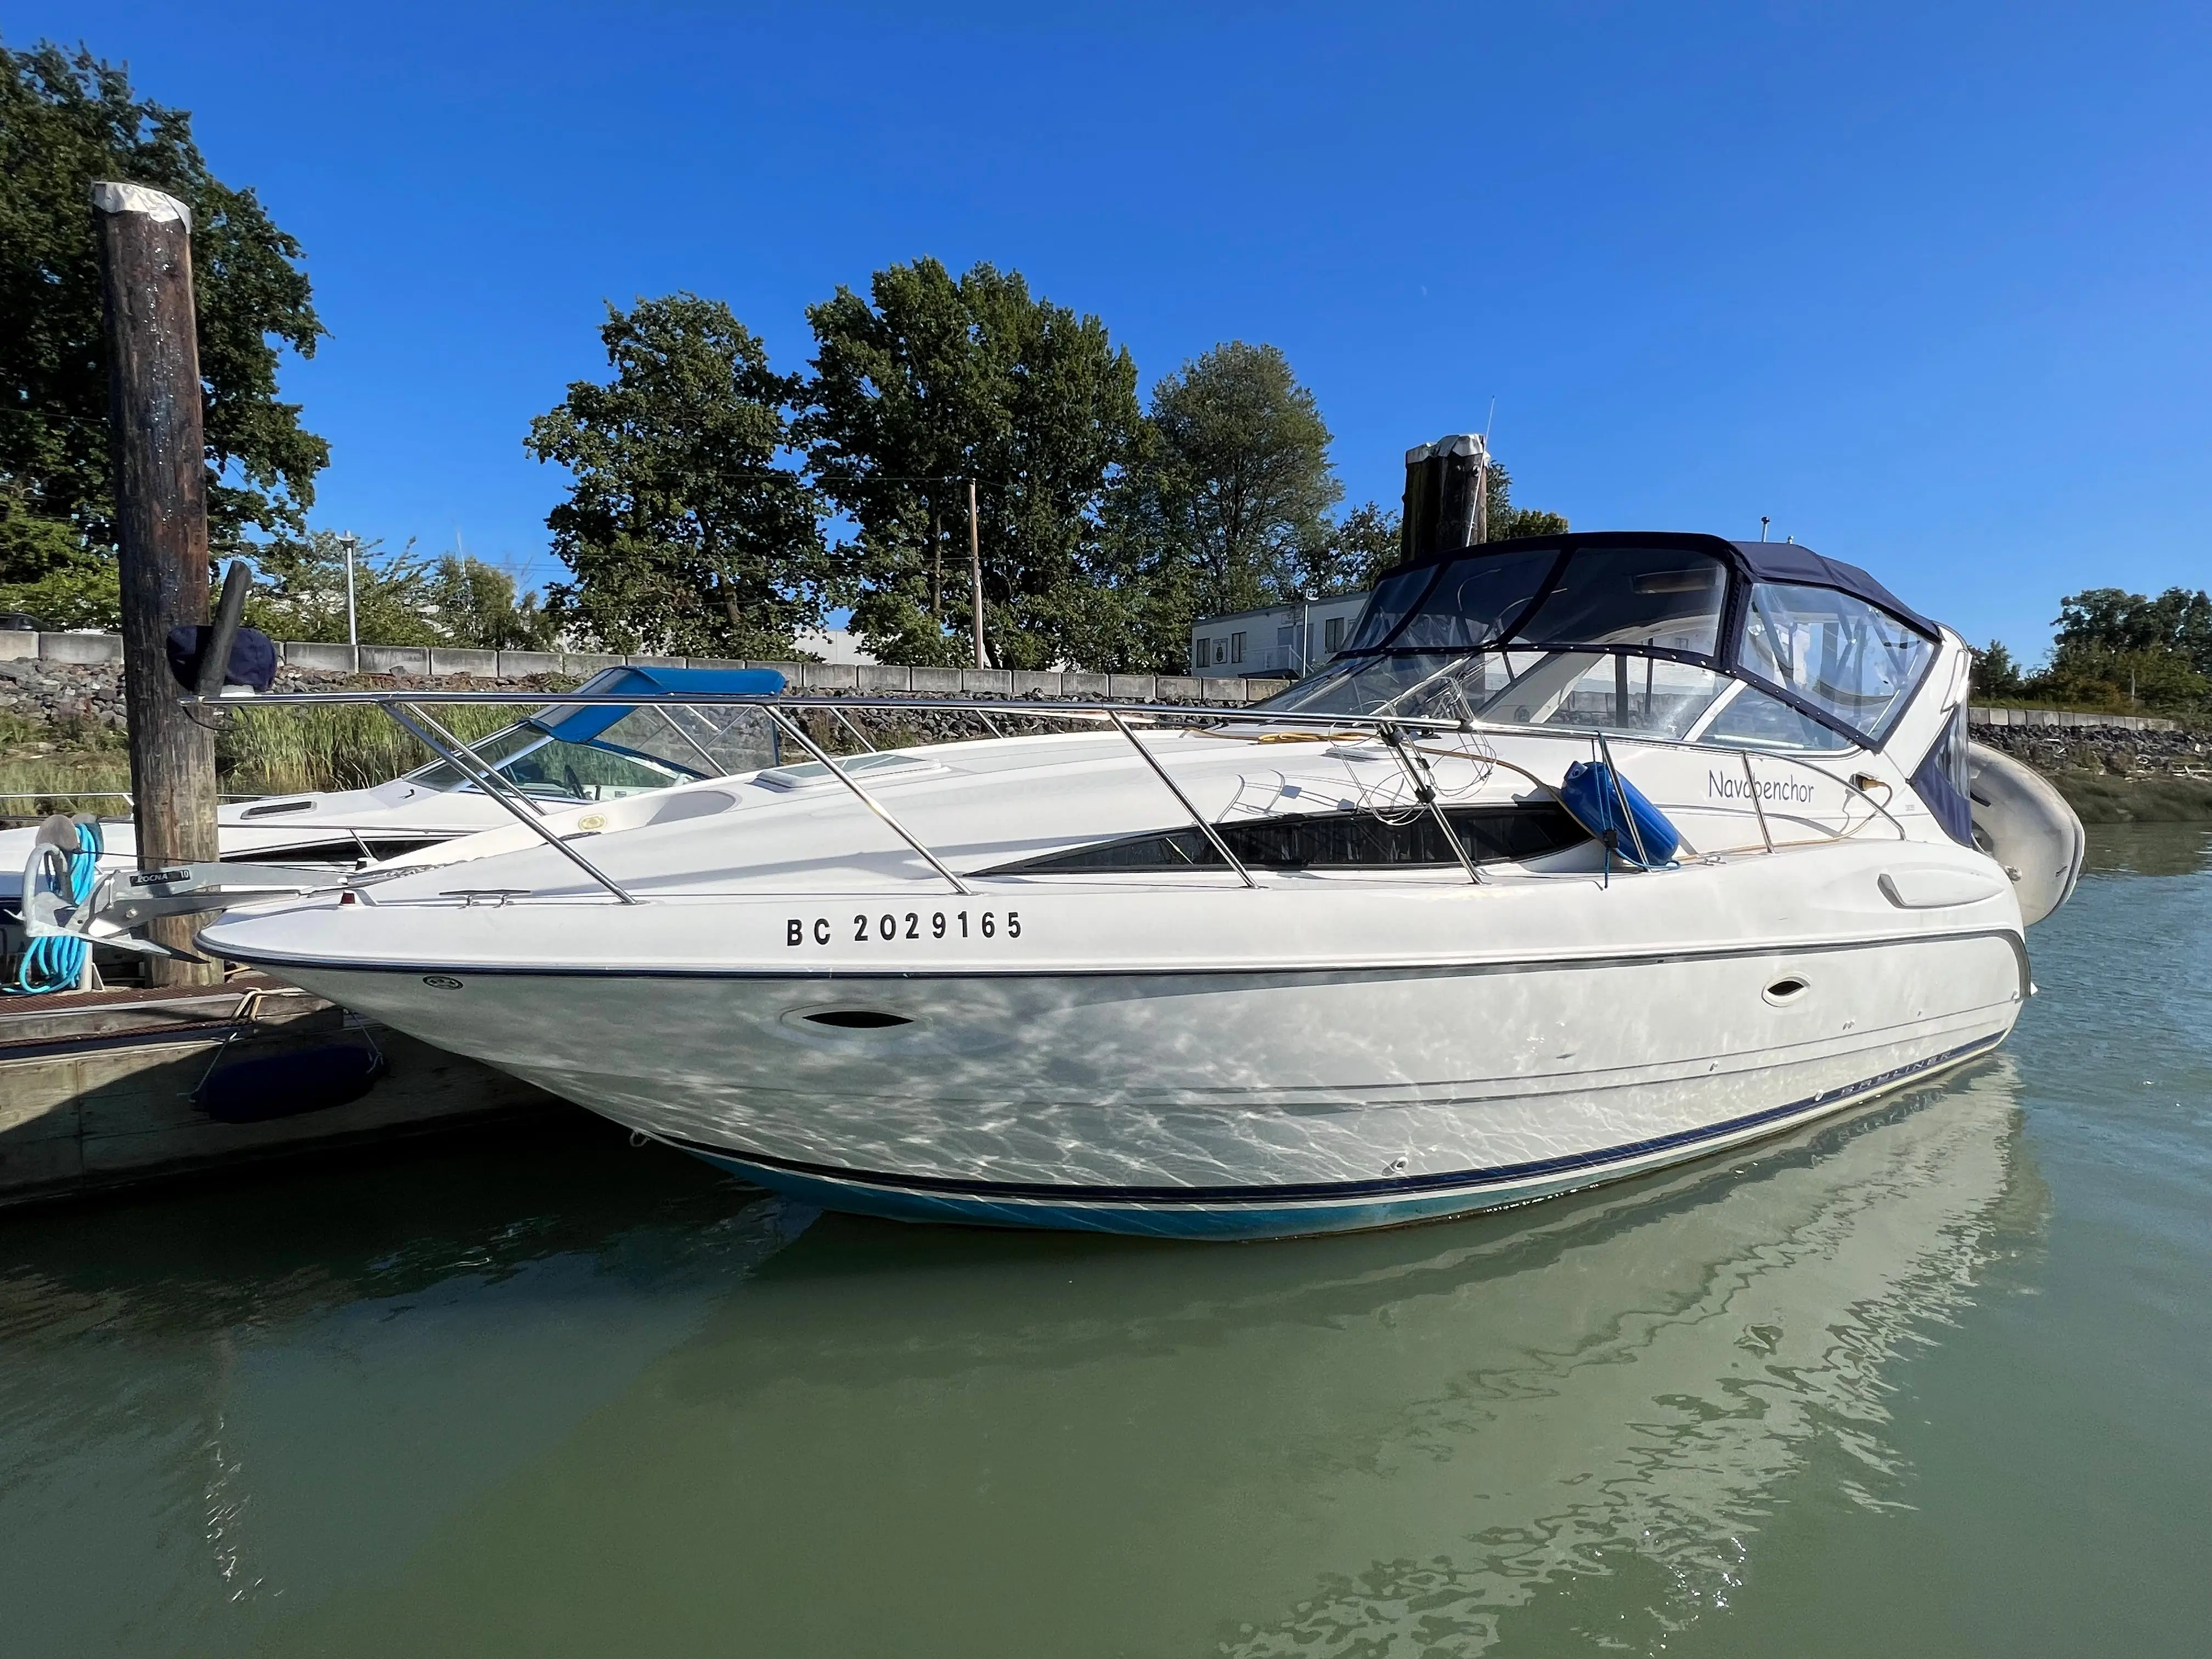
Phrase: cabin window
(1331, 841)
(1475, 601)
(1647, 596)
(1752, 720)
(1838, 652)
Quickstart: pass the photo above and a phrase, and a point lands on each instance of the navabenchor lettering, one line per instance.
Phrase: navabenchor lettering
(1724, 786)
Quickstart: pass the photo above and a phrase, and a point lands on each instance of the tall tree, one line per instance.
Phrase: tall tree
(1358, 548)
(931, 382)
(300, 592)
(2111, 619)
(2126, 649)
(1995, 672)
(65, 120)
(1237, 480)
(1507, 521)
(476, 605)
(684, 533)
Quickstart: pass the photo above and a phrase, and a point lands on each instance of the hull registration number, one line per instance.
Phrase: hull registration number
(897, 927)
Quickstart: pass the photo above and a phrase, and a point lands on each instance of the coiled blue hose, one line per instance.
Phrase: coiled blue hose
(55, 961)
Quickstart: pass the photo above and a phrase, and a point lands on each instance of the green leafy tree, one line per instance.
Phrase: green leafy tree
(1995, 674)
(931, 381)
(66, 120)
(1359, 548)
(683, 532)
(2111, 619)
(2117, 649)
(477, 607)
(1238, 482)
(300, 592)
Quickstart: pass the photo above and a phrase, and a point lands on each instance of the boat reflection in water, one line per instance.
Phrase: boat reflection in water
(876, 1440)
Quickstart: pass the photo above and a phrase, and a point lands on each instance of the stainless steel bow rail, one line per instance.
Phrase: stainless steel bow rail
(124, 900)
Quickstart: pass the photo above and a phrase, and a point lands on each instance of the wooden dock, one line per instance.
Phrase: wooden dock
(102, 1088)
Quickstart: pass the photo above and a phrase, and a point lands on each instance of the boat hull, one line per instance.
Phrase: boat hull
(1234, 1104)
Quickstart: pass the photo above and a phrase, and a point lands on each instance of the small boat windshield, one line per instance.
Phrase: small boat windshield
(1635, 640)
(629, 751)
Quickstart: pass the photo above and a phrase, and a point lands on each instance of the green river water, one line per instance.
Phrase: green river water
(1934, 1379)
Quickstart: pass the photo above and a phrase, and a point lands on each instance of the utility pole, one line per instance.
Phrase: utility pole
(350, 541)
(936, 566)
(161, 537)
(975, 574)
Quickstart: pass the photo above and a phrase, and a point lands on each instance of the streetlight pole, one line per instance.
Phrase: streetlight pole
(976, 575)
(1305, 635)
(350, 541)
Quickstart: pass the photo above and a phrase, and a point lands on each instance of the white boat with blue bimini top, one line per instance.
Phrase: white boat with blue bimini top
(1591, 854)
(554, 755)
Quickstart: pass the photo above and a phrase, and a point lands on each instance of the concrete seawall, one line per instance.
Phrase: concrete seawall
(2066, 719)
(25, 656)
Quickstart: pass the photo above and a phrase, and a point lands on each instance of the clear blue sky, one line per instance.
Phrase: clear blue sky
(1927, 284)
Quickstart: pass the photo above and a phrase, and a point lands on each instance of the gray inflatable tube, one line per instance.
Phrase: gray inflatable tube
(2026, 826)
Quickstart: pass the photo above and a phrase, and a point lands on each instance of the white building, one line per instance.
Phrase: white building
(1283, 641)
(834, 645)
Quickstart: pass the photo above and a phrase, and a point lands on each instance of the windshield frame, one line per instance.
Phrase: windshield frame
(425, 775)
(1734, 613)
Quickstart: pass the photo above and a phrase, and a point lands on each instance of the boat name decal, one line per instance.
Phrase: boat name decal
(897, 927)
(1726, 786)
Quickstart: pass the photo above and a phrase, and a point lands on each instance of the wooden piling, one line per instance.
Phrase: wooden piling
(160, 518)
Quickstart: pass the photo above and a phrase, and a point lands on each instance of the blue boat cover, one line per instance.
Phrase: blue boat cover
(1593, 792)
(582, 725)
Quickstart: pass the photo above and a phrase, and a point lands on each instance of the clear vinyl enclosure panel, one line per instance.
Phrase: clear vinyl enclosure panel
(1621, 638)
(651, 747)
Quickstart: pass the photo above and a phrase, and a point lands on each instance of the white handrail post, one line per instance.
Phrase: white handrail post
(1759, 807)
(1196, 818)
(398, 711)
(867, 799)
(1426, 795)
(1620, 794)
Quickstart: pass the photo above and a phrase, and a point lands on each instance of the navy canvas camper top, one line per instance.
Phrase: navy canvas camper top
(1789, 562)
(1758, 561)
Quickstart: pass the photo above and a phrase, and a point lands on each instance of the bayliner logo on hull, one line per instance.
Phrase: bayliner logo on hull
(1724, 786)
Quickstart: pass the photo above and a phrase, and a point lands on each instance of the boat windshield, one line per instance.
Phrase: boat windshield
(1627, 692)
(653, 746)
(1622, 639)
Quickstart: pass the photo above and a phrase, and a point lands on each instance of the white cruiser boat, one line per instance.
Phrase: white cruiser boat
(1590, 854)
(558, 756)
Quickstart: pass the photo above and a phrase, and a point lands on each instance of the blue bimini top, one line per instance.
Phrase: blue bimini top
(582, 725)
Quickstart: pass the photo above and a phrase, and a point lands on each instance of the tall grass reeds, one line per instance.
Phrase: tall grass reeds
(287, 752)
(258, 752)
